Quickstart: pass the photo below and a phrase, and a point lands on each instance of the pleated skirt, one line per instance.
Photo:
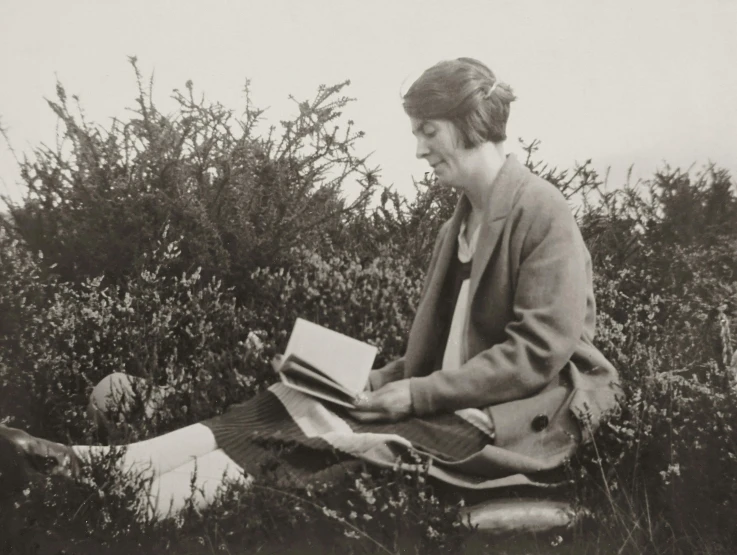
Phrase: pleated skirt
(301, 440)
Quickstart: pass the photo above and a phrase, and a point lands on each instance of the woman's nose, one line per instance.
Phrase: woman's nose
(422, 149)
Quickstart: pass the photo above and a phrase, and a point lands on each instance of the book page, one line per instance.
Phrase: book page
(345, 360)
(294, 366)
(315, 389)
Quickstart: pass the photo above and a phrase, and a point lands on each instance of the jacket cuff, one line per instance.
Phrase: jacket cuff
(422, 396)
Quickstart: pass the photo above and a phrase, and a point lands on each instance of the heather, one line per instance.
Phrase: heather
(180, 247)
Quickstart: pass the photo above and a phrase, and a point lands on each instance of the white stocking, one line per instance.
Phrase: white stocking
(170, 460)
(171, 491)
(159, 454)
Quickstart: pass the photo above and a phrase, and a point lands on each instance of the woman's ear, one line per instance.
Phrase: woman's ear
(459, 140)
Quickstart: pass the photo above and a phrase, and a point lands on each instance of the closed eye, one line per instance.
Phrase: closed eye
(425, 128)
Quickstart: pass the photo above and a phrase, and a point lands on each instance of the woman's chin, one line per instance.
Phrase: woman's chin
(443, 182)
(439, 177)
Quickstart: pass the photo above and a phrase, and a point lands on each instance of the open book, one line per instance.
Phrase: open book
(326, 364)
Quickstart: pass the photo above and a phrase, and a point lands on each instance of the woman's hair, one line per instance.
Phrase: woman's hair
(465, 92)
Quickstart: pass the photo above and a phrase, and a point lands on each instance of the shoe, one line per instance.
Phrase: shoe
(16, 471)
(45, 456)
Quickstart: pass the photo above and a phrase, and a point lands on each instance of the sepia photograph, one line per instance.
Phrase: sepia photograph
(349, 277)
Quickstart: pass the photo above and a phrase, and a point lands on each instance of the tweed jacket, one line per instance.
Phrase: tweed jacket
(531, 363)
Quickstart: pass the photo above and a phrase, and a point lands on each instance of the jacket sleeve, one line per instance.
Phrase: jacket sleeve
(549, 310)
(395, 370)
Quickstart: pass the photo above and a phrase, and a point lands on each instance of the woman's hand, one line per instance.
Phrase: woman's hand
(389, 403)
(276, 362)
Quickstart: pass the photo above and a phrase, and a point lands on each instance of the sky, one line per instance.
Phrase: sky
(623, 83)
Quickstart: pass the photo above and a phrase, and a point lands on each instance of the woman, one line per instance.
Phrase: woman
(500, 380)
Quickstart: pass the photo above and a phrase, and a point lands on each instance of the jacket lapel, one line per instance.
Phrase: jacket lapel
(500, 201)
(425, 325)
(447, 249)
(502, 197)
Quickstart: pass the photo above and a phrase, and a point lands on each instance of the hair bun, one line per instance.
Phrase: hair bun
(491, 89)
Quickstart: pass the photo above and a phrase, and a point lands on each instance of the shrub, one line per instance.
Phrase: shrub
(180, 331)
(666, 462)
(371, 301)
(239, 200)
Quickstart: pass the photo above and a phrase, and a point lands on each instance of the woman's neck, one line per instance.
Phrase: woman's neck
(488, 159)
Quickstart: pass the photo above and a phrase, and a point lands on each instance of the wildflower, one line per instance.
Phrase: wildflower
(351, 534)
(366, 494)
(254, 343)
(330, 513)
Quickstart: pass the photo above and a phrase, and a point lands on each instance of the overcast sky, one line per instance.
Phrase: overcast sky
(622, 82)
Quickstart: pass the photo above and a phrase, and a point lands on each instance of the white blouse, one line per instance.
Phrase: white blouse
(455, 349)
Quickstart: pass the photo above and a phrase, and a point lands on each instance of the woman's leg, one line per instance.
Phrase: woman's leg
(175, 462)
(115, 393)
(199, 480)
(183, 465)
(160, 454)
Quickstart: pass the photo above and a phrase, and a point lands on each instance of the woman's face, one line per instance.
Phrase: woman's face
(439, 142)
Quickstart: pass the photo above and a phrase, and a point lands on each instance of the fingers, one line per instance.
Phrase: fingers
(389, 403)
(375, 416)
(276, 362)
(363, 416)
(368, 409)
(365, 402)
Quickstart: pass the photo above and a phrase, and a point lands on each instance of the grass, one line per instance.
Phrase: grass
(100, 513)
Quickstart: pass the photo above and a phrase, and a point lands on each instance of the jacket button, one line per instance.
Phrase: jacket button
(540, 422)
